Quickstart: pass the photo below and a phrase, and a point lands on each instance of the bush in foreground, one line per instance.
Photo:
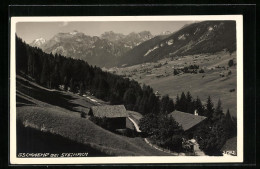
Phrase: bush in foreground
(163, 131)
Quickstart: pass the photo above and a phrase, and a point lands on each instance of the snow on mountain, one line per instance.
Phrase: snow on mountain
(165, 33)
(38, 42)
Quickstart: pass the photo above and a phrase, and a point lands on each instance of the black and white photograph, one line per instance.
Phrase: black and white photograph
(126, 89)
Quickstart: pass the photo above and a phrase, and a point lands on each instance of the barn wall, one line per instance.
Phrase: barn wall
(118, 122)
(192, 131)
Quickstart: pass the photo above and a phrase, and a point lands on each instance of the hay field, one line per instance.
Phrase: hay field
(215, 82)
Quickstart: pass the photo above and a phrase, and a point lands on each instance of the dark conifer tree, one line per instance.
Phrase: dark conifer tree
(137, 103)
(21, 55)
(72, 86)
(164, 104)
(81, 88)
(102, 90)
(198, 106)
(209, 108)
(129, 98)
(190, 104)
(183, 102)
(54, 78)
(30, 64)
(115, 98)
(177, 103)
(218, 113)
(45, 73)
(65, 82)
(170, 106)
(230, 125)
(153, 101)
(143, 104)
(188, 97)
(37, 66)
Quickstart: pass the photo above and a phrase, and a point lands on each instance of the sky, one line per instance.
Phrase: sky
(30, 31)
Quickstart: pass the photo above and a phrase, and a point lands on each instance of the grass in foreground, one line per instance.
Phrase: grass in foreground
(45, 116)
(30, 140)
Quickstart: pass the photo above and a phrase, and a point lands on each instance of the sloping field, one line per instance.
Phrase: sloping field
(50, 116)
(82, 131)
(30, 140)
(210, 85)
(159, 76)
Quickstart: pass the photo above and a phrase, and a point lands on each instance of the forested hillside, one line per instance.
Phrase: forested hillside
(78, 76)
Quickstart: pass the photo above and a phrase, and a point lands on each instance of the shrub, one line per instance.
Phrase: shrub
(175, 72)
(194, 67)
(163, 130)
(176, 143)
(230, 63)
(158, 66)
(83, 114)
(201, 71)
(229, 73)
(212, 137)
(232, 90)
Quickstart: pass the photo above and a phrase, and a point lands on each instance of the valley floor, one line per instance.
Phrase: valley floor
(216, 82)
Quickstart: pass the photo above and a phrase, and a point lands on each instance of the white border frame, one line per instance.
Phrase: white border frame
(137, 159)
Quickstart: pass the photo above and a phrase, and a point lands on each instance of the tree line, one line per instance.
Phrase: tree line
(54, 70)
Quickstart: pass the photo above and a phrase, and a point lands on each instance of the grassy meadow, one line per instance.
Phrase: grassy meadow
(56, 115)
(215, 82)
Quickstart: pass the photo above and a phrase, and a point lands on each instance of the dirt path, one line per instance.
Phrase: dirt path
(135, 124)
(152, 145)
(163, 150)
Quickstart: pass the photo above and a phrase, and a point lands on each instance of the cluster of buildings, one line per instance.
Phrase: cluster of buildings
(117, 115)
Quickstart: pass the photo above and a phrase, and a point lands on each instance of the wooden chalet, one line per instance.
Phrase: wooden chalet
(116, 114)
(188, 121)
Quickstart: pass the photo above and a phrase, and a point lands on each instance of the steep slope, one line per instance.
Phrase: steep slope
(58, 117)
(197, 38)
(134, 56)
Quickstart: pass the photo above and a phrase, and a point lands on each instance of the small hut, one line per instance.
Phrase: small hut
(115, 114)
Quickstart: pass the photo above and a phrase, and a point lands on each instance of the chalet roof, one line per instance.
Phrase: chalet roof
(186, 120)
(109, 111)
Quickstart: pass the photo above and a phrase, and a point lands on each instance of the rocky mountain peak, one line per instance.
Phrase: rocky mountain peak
(38, 42)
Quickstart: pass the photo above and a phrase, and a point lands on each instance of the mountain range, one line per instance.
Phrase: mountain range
(115, 49)
(100, 51)
(196, 38)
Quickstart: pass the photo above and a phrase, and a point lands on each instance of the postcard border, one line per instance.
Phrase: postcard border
(138, 159)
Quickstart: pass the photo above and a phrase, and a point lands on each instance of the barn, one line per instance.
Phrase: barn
(115, 114)
(188, 121)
